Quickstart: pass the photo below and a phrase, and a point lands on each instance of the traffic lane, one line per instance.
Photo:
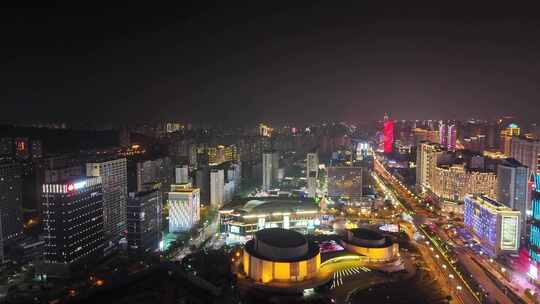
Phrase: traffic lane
(494, 293)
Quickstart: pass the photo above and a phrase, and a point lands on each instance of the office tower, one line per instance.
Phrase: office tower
(144, 213)
(181, 174)
(496, 225)
(452, 138)
(202, 182)
(388, 132)
(124, 137)
(507, 139)
(443, 134)
(113, 175)
(73, 221)
(513, 187)
(527, 152)
(312, 172)
(534, 236)
(184, 207)
(427, 155)
(36, 149)
(217, 184)
(144, 174)
(270, 168)
(11, 199)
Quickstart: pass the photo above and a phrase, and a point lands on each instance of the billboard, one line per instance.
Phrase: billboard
(510, 232)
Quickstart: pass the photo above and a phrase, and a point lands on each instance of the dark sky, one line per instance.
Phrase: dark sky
(269, 62)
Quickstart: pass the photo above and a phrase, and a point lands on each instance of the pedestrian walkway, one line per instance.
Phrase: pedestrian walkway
(345, 274)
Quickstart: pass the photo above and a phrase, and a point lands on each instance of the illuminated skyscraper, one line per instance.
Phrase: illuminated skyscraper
(217, 188)
(534, 236)
(452, 137)
(513, 187)
(181, 174)
(270, 166)
(443, 134)
(144, 213)
(113, 175)
(388, 135)
(73, 221)
(427, 155)
(11, 200)
(312, 172)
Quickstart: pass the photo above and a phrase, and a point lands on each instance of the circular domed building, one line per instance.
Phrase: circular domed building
(282, 255)
(371, 244)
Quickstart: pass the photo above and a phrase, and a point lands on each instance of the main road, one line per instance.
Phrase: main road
(431, 250)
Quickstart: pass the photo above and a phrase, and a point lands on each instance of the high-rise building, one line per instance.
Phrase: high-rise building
(496, 225)
(11, 199)
(181, 174)
(22, 148)
(312, 173)
(217, 188)
(427, 155)
(144, 174)
(513, 187)
(144, 214)
(527, 152)
(73, 221)
(202, 182)
(443, 134)
(388, 132)
(454, 182)
(184, 207)
(113, 175)
(452, 138)
(270, 168)
(534, 235)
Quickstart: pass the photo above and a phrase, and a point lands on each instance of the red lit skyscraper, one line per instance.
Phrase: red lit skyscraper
(388, 134)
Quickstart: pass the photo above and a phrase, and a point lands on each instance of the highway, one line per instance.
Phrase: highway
(434, 255)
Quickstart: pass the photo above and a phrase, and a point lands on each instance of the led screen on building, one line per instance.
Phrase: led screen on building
(509, 233)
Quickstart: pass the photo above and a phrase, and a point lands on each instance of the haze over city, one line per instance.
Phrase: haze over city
(270, 153)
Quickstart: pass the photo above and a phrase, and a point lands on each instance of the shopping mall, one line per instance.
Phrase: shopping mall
(243, 219)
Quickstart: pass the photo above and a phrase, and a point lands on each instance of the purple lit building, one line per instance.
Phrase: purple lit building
(496, 225)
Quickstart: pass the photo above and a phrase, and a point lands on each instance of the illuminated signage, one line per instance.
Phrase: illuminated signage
(235, 229)
(510, 233)
(536, 185)
(533, 272)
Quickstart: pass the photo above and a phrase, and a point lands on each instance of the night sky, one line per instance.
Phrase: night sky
(275, 63)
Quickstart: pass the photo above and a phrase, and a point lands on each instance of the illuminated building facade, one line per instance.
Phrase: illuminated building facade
(280, 255)
(217, 188)
(527, 152)
(11, 200)
(534, 236)
(454, 182)
(507, 137)
(496, 225)
(370, 244)
(73, 220)
(388, 132)
(427, 155)
(244, 220)
(312, 173)
(513, 187)
(184, 207)
(144, 214)
(113, 175)
(270, 167)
